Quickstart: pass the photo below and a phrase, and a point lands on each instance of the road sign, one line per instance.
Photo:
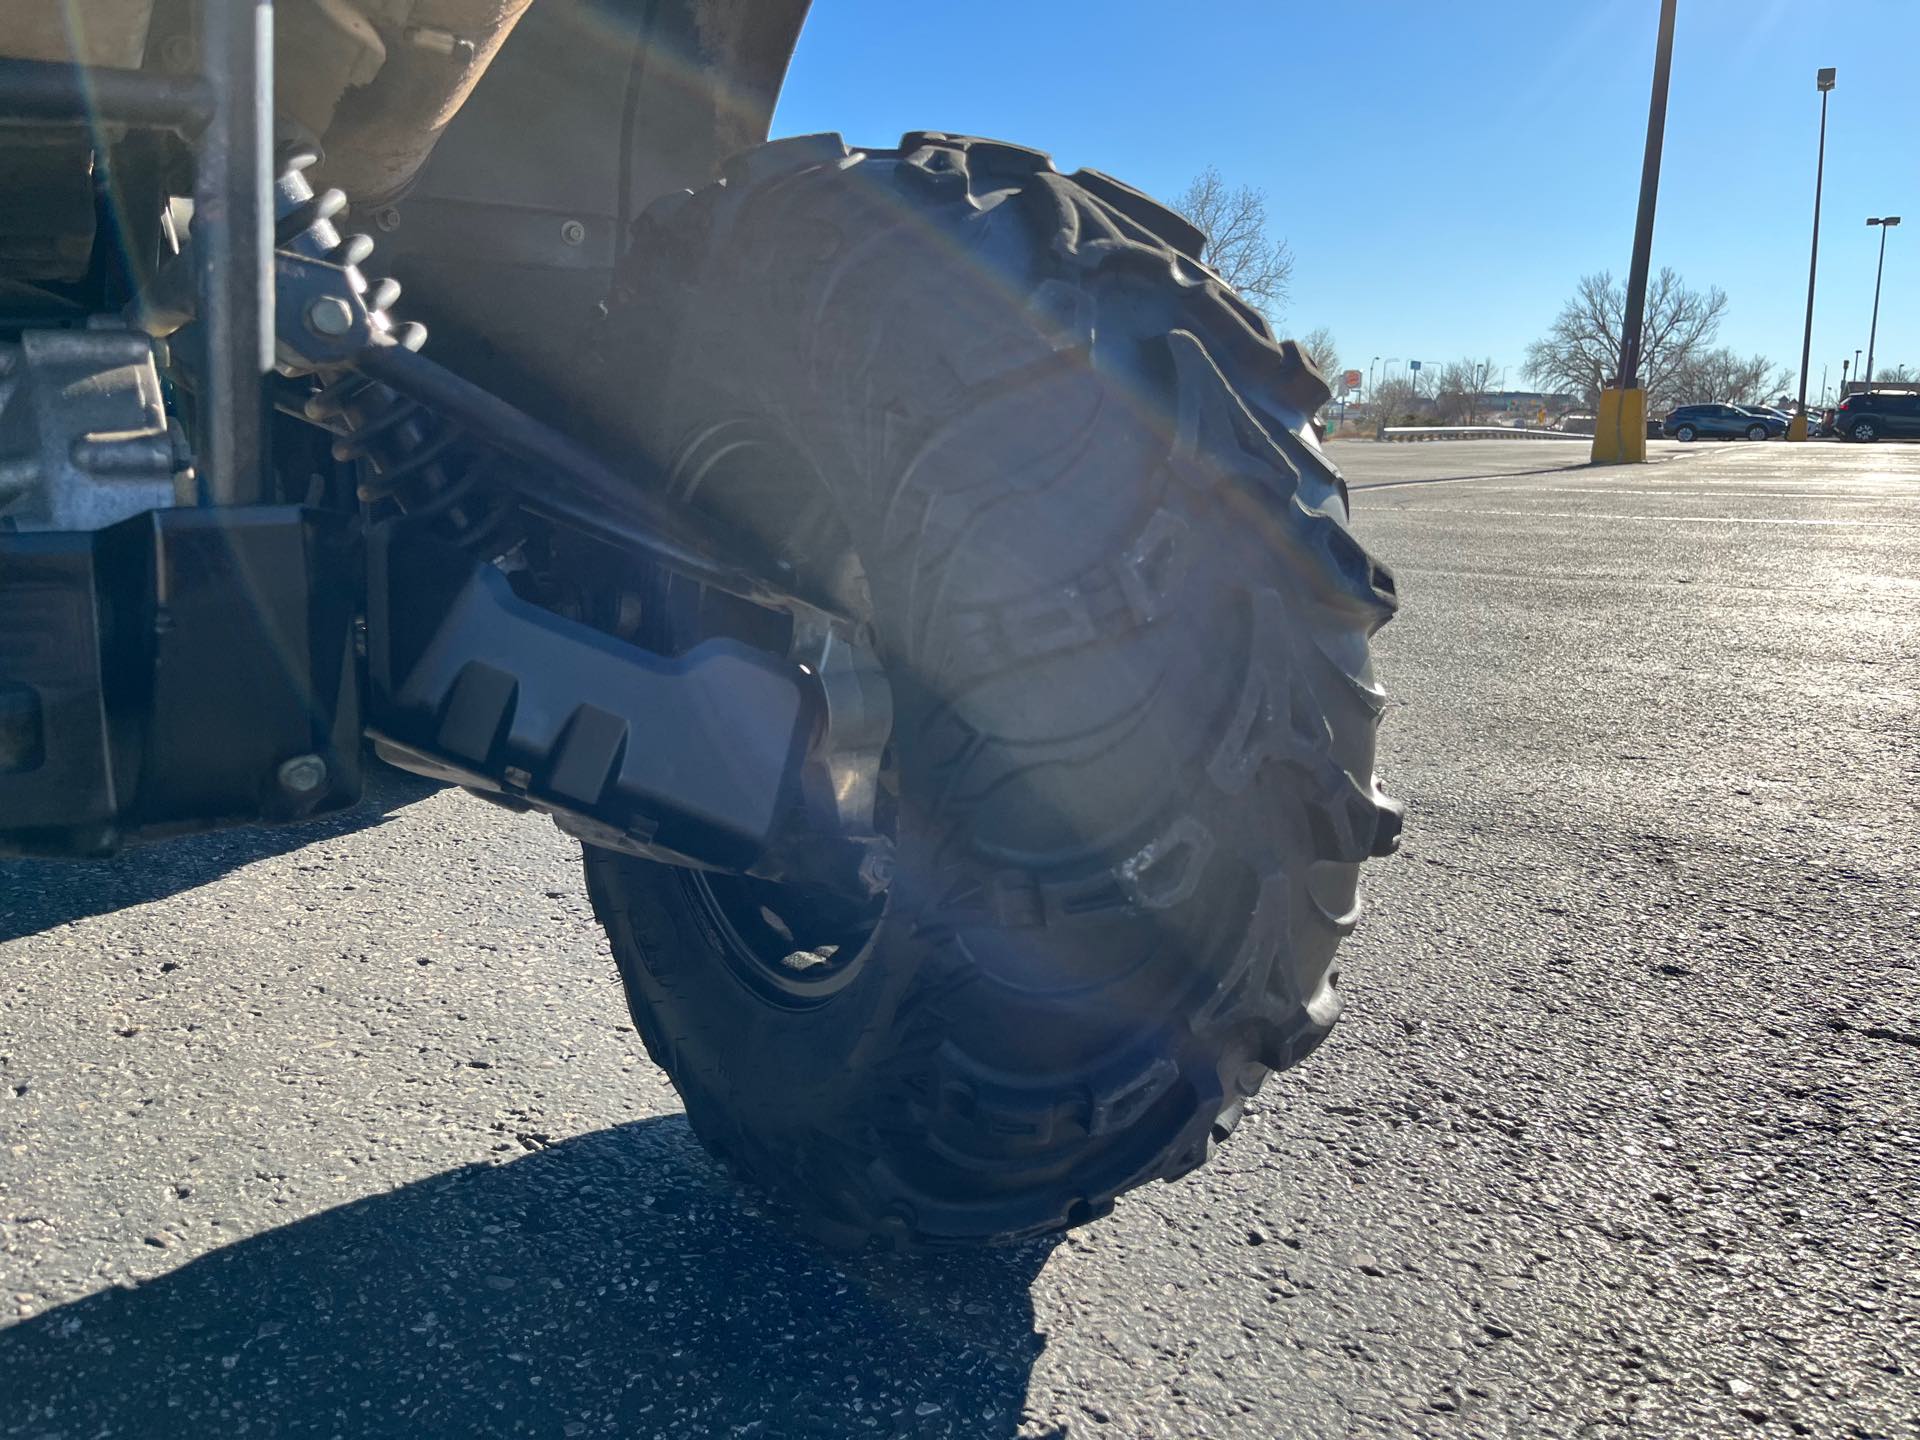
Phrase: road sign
(1413, 364)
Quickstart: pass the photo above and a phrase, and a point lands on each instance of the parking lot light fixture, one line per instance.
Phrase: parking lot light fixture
(1797, 428)
(1886, 223)
(1620, 428)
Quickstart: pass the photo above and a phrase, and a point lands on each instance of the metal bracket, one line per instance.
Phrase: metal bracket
(842, 777)
(84, 436)
(321, 320)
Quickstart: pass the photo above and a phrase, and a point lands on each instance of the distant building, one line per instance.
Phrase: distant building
(1526, 402)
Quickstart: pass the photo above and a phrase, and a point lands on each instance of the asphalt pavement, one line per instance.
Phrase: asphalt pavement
(344, 1131)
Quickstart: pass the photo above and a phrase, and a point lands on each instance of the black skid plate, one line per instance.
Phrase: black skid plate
(691, 758)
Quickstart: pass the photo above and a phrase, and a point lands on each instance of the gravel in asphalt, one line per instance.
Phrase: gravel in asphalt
(343, 1130)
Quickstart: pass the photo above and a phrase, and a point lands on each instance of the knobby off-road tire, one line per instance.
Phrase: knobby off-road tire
(1126, 626)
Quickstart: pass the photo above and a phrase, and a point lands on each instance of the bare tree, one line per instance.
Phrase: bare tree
(1458, 388)
(1319, 346)
(1582, 350)
(1720, 377)
(1895, 374)
(1235, 224)
(1396, 402)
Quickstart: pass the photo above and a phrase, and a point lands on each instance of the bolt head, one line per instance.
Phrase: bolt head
(303, 774)
(387, 218)
(330, 316)
(573, 232)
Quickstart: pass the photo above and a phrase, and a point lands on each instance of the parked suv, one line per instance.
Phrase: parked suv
(1879, 415)
(1721, 422)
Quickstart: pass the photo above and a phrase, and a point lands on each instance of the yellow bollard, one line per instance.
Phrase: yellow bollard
(1620, 428)
(1797, 427)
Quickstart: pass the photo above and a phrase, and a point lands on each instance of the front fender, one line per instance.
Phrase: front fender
(506, 240)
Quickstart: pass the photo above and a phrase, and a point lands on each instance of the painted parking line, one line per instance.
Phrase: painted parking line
(1456, 479)
(1712, 493)
(1565, 468)
(1690, 519)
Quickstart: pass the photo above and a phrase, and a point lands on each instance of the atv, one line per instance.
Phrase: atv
(910, 572)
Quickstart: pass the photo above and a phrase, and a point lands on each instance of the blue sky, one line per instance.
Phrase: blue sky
(1444, 172)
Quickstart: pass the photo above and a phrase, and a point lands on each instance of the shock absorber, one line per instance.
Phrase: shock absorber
(403, 452)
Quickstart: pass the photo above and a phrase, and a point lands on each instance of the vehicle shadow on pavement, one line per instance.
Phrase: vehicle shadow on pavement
(37, 895)
(613, 1284)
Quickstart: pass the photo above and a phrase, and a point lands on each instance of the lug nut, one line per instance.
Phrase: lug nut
(329, 316)
(573, 232)
(303, 774)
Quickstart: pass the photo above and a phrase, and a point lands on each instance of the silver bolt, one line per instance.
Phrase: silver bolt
(573, 232)
(330, 316)
(387, 218)
(303, 774)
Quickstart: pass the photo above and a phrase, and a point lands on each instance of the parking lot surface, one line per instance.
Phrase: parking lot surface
(344, 1130)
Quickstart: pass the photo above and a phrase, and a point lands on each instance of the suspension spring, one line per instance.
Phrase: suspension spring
(402, 451)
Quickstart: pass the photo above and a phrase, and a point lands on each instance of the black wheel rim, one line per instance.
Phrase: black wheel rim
(793, 946)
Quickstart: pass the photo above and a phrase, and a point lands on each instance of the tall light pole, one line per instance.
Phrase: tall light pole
(1620, 432)
(1873, 330)
(1843, 376)
(1797, 427)
(1370, 364)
